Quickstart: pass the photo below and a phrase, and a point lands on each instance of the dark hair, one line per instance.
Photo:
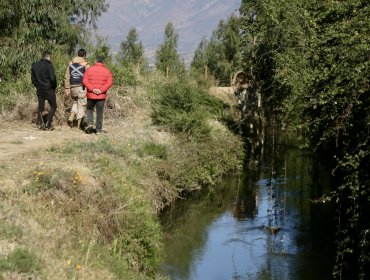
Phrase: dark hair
(81, 53)
(99, 58)
(46, 54)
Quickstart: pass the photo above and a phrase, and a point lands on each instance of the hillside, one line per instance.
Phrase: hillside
(192, 21)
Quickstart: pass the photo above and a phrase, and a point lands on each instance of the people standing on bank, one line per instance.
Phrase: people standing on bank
(74, 87)
(97, 80)
(44, 79)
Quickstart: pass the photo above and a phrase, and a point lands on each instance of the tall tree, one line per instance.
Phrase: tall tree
(167, 59)
(132, 51)
(199, 65)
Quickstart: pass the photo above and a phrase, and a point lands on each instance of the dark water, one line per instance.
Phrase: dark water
(256, 225)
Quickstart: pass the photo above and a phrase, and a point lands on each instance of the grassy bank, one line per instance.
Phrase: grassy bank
(87, 208)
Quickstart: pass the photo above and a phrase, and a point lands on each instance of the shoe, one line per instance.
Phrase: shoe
(89, 129)
(71, 119)
(48, 127)
(98, 133)
(70, 123)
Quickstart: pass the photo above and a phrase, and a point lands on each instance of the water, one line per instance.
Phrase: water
(257, 225)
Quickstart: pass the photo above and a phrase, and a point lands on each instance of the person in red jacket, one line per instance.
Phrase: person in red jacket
(97, 79)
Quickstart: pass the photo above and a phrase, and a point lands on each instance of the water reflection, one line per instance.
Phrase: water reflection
(253, 226)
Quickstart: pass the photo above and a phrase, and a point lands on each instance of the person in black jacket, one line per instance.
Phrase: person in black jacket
(43, 78)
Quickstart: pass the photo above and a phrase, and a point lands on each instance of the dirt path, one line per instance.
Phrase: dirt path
(21, 142)
(18, 140)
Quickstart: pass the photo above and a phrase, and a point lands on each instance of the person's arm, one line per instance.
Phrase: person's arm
(33, 78)
(52, 77)
(86, 81)
(67, 81)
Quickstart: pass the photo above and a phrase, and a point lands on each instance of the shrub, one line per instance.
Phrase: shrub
(184, 108)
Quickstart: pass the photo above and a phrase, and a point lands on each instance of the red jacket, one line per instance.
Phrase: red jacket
(97, 77)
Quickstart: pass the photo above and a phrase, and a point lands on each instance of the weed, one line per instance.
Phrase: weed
(10, 231)
(20, 260)
(16, 142)
(152, 149)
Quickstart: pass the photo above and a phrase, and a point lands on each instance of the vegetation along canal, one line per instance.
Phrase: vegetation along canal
(260, 224)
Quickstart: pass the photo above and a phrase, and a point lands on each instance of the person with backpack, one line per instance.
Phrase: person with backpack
(97, 79)
(74, 87)
(44, 79)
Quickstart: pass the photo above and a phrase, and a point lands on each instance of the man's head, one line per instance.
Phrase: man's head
(100, 59)
(46, 55)
(81, 53)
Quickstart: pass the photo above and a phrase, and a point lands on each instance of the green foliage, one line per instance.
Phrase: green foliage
(184, 108)
(125, 75)
(20, 260)
(29, 27)
(199, 163)
(167, 58)
(131, 52)
(220, 56)
(101, 48)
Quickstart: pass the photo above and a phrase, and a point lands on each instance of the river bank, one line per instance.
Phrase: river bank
(77, 206)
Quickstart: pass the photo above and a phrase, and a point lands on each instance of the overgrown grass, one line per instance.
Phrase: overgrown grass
(117, 209)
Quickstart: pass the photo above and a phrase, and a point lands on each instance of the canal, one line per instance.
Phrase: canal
(260, 224)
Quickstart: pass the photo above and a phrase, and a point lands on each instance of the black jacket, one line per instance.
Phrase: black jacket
(43, 75)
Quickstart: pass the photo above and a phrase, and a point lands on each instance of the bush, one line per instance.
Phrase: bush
(184, 108)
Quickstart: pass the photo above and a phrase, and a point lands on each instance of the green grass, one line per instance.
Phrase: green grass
(20, 260)
(152, 149)
(10, 231)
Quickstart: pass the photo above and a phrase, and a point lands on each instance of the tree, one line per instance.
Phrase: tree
(199, 65)
(167, 58)
(131, 52)
(220, 55)
(28, 26)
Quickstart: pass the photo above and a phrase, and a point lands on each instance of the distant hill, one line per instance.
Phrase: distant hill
(192, 19)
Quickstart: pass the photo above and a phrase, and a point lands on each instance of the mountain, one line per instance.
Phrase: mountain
(192, 19)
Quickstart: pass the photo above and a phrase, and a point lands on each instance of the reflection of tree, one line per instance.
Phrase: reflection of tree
(245, 205)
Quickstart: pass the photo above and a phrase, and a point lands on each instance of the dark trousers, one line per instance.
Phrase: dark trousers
(49, 95)
(99, 104)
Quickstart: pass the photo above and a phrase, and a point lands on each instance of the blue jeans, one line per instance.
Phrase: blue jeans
(99, 104)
